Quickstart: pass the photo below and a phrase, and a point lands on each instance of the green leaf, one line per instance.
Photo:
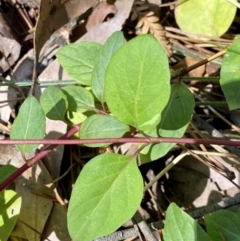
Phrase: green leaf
(223, 225)
(79, 99)
(179, 109)
(78, 60)
(137, 85)
(113, 43)
(179, 226)
(107, 193)
(54, 103)
(10, 205)
(205, 17)
(230, 75)
(6, 171)
(102, 126)
(174, 122)
(29, 124)
(75, 117)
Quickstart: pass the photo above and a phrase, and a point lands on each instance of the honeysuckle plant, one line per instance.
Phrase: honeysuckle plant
(123, 89)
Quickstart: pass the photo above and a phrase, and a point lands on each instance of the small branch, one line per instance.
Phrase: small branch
(144, 228)
(151, 140)
(198, 64)
(62, 141)
(200, 79)
(166, 169)
(226, 202)
(212, 103)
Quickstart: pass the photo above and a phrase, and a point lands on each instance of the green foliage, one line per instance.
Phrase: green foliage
(205, 17)
(179, 226)
(223, 225)
(79, 59)
(29, 124)
(114, 42)
(125, 90)
(137, 85)
(10, 205)
(230, 75)
(79, 99)
(6, 171)
(106, 194)
(54, 103)
(102, 126)
(180, 107)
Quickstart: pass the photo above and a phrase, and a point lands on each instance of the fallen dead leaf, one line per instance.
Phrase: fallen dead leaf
(53, 14)
(9, 47)
(100, 12)
(32, 187)
(101, 32)
(9, 53)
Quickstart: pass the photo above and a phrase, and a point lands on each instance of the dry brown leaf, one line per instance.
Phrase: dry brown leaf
(101, 32)
(100, 12)
(36, 204)
(53, 14)
(55, 230)
(9, 47)
(6, 108)
(31, 186)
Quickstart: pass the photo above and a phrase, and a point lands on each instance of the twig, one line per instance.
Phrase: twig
(226, 202)
(167, 168)
(200, 63)
(151, 140)
(146, 231)
(211, 103)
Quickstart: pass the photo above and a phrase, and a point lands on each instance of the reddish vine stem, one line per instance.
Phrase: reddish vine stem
(63, 141)
(149, 140)
(36, 158)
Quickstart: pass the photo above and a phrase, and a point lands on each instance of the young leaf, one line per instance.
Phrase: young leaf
(205, 17)
(174, 121)
(113, 43)
(179, 226)
(6, 171)
(137, 85)
(107, 193)
(79, 99)
(54, 103)
(10, 205)
(230, 75)
(29, 124)
(78, 60)
(102, 126)
(223, 225)
(75, 117)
